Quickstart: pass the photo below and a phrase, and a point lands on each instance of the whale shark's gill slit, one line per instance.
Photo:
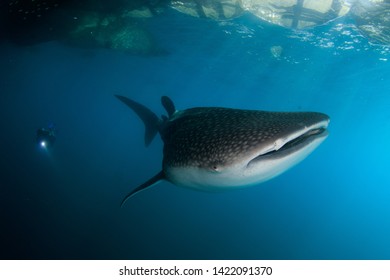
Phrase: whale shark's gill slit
(294, 142)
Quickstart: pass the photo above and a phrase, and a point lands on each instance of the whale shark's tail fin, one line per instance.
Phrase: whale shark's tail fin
(150, 119)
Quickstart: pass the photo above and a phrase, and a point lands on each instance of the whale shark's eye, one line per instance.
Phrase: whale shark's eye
(215, 167)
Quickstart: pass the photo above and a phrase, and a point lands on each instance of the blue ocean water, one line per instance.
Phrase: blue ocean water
(63, 203)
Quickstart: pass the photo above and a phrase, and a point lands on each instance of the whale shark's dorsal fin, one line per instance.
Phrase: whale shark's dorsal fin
(149, 183)
(150, 119)
(168, 105)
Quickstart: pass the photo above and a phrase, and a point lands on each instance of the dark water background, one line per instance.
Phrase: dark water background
(64, 203)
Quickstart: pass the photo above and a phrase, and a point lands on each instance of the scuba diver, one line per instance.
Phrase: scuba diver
(46, 136)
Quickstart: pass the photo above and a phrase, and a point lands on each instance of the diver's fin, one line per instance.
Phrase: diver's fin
(150, 120)
(168, 105)
(149, 183)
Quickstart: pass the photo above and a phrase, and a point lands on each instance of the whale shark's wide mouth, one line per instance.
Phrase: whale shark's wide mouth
(295, 144)
(309, 135)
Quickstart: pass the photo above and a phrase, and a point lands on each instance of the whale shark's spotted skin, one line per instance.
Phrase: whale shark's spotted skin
(214, 148)
(209, 137)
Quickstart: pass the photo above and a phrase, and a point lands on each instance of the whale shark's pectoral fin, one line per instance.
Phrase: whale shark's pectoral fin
(149, 183)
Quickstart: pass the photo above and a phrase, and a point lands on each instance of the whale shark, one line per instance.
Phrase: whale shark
(217, 148)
